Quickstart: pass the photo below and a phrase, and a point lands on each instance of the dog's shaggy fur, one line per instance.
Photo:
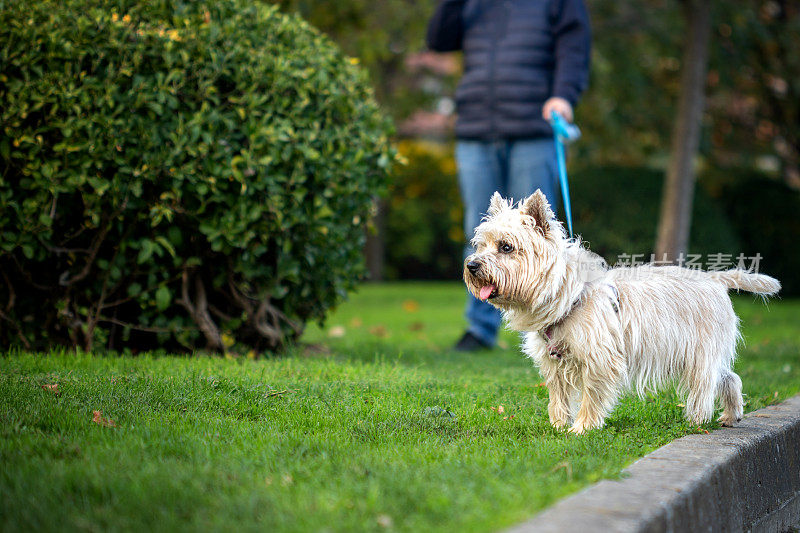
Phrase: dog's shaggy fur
(595, 331)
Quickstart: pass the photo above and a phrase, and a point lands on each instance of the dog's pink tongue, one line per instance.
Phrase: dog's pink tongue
(486, 291)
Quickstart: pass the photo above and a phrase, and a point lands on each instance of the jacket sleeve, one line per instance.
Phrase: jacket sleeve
(446, 28)
(570, 24)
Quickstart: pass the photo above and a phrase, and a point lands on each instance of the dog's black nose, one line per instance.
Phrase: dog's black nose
(473, 267)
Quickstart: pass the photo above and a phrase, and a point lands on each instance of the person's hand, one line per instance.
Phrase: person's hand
(560, 106)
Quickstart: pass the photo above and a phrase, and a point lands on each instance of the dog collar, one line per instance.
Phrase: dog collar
(557, 349)
(553, 348)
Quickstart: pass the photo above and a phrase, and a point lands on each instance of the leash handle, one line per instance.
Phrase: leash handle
(568, 133)
(564, 133)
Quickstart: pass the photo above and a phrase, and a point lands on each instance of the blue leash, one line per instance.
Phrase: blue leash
(564, 133)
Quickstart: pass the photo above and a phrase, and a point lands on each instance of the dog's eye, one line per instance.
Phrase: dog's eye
(505, 248)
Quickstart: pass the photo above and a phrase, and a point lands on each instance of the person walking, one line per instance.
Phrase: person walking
(523, 60)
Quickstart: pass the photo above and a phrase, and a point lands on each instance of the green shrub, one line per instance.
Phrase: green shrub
(616, 209)
(178, 174)
(764, 212)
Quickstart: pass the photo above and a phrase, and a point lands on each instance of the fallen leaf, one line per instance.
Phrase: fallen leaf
(385, 520)
(509, 417)
(356, 322)
(379, 331)
(416, 326)
(701, 430)
(336, 332)
(51, 387)
(541, 384)
(410, 306)
(98, 418)
(287, 480)
(501, 409)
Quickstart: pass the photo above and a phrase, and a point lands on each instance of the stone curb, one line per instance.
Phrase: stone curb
(745, 478)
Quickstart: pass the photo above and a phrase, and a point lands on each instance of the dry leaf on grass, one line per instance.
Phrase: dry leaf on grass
(52, 387)
(410, 306)
(337, 332)
(99, 419)
(379, 331)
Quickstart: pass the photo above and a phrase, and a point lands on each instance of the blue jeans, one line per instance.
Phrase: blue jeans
(514, 168)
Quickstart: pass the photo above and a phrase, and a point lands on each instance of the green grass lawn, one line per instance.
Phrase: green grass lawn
(372, 424)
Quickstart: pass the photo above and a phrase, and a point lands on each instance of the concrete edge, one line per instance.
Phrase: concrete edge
(745, 478)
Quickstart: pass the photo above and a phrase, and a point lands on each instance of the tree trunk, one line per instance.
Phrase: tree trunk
(676, 203)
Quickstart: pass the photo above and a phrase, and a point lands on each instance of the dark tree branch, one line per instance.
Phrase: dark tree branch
(64, 279)
(12, 296)
(148, 329)
(199, 311)
(266, 319)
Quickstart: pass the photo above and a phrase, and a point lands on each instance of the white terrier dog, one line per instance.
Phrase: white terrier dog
(594, 331)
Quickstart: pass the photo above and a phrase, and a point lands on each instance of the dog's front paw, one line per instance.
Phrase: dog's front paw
(559, 423)
(582, 426)
(578, 429)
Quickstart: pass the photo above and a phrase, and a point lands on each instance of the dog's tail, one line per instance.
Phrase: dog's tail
(742, 280)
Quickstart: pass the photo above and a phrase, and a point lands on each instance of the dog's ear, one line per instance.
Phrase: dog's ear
(536, 206)
(496, 204)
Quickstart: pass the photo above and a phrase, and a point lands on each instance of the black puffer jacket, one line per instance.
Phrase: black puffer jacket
(517, 54)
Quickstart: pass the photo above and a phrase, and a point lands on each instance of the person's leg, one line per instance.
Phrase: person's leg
(532, 165)
(479, 176)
